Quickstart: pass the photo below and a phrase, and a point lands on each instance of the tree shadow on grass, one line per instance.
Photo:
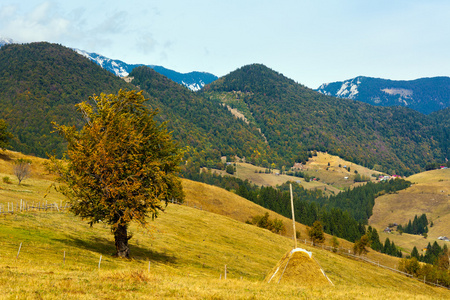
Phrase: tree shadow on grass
(106, 247)
(4, 156)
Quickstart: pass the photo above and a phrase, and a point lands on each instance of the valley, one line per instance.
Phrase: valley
(328, 173)
(430, 195)
(187, 249)
(244, 137)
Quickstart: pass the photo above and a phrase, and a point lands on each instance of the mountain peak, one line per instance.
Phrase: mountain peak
(425, 95)
(193, 80)
(5, 41)
(250, 78)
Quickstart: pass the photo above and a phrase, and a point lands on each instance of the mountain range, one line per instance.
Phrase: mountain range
(425, 95)
(192, 80)
(282, 120)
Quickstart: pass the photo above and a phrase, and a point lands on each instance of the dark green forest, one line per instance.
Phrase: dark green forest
(296, 119)
(41, 83)
(204, 128)
(418, 226)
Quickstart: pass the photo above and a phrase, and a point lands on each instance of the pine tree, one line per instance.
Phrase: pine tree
(316, 233)
(415, 253)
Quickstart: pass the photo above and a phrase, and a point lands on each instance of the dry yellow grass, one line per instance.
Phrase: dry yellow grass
(299, 268)
(332, 178)
(220, 201)
(429, 194)
(188, 249)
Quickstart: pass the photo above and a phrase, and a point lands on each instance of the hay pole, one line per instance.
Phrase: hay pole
(281, 276)
(323, 272)
(293, 216)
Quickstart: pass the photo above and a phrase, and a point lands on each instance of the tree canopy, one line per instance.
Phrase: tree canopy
(120, 166)
(315, 233)
(4, 135)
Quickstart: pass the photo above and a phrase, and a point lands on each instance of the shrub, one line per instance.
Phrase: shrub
(264, 221)
(7, 180)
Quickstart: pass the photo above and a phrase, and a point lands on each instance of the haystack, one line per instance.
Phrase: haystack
(298, 266)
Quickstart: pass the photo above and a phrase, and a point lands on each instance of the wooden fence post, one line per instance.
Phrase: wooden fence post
(99, 262)
(18, 252)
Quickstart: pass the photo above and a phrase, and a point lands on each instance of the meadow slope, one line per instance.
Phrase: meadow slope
(429, 194)
(182, 254)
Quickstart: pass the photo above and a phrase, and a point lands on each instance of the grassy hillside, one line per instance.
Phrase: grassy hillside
(429, 194)
(329, 169)
(188, 249)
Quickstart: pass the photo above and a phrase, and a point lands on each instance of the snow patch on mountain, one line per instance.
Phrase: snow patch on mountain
(396, 91)
(194, 86)
(5, 41)
(348, 89)
(194, 81)
(117, 67)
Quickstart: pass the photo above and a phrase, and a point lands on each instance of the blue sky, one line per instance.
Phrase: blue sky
(312, 42)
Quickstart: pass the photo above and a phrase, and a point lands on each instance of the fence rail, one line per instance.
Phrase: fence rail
(348, 252)
(11, 208)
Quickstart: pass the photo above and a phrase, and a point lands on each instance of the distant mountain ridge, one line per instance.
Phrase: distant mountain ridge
(425, 95)
(296, 119)
(41, 82)
(192, 80)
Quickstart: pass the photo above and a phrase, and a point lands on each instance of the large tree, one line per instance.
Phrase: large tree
(121, 166)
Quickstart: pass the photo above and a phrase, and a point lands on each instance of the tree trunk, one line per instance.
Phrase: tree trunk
(121, 240)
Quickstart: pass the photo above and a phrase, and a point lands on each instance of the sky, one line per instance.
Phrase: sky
(311, 42)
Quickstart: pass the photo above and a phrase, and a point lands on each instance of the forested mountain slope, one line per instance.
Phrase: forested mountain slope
(442, 132)
(208, 128)
(296, 119)
(425, 95)
(41, 83)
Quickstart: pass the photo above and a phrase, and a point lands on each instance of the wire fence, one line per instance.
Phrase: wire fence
(11, 207)
(349, 253)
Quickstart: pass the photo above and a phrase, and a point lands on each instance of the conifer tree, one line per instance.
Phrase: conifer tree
(415, 252)
(316, 233)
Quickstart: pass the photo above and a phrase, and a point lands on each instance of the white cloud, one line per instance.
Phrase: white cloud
(7, 11)
(41, 23)
(146, 43)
